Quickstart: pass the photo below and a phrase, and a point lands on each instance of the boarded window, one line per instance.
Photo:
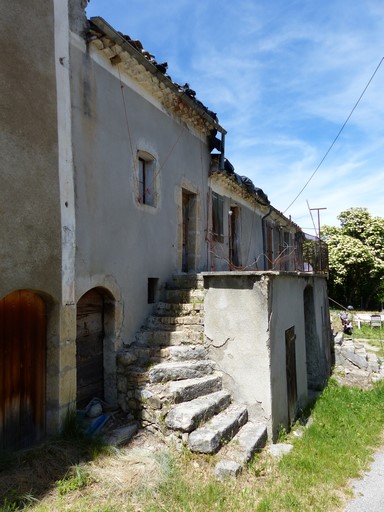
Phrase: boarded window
(217, 217)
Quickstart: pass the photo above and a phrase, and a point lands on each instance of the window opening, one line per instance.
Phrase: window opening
(146, 180)
(217, 217)
(152, 289)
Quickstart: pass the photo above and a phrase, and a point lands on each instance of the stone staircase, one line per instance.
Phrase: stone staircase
(166, 379)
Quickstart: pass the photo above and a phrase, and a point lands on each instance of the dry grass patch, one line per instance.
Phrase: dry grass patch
(113, 482)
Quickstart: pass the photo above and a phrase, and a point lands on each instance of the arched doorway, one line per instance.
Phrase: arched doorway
(314, 371)
(22, 369)
(90, 347)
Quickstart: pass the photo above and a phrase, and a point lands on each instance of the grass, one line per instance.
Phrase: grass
(347, 426)
(374, 336)
(348, 423)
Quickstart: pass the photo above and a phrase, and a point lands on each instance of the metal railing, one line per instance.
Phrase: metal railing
(312, 253)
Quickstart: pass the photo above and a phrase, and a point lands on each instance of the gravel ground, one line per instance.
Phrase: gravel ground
(369, 490)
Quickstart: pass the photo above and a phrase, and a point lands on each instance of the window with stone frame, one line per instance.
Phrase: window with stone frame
(146, 180)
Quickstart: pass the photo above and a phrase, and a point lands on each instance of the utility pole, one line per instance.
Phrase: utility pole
(318, 219)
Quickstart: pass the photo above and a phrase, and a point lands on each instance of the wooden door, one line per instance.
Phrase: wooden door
(188, 231)
(185, 207)
(89, 348)
(22, 369)
(290, 352)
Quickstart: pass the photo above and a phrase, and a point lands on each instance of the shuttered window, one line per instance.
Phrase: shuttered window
(217, 217)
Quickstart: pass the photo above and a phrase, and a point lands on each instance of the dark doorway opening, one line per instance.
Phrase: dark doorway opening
(189, 219)
(89, 348)
(290, 354)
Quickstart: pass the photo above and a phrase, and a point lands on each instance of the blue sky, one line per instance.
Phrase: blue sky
(283, 76)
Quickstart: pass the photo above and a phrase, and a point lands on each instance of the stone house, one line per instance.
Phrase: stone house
(114, 179)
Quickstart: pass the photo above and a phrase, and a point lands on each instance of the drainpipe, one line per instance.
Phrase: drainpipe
(263, 231)
(221, 164)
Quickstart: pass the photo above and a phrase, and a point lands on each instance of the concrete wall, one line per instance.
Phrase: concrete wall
(236, 309)
(29, 192)
(246, 318)
(116, 236)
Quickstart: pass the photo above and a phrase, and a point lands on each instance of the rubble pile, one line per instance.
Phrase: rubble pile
(357, 363)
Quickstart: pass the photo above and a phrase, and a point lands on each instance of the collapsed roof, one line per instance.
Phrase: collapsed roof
(180, 99)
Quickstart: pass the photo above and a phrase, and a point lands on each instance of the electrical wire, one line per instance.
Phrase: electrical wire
(337, 136)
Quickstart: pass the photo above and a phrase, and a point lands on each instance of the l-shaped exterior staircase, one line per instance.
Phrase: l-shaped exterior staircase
(168, 381)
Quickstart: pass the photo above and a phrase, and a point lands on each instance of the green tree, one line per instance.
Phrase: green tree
(356, 259)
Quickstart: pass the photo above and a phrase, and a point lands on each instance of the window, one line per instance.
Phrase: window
(153, 283)
(217, 217)
(146, 181)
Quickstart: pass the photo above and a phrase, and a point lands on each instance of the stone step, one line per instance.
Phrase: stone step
(178, 309)
(182, 296)
(194, 322)
(180, 370)
(154, 396)
(143, 355)
(189, 389)
(187, 281)
(251, 438)
(168, 337)
(185, 353)
(186, 416)
(220, 429)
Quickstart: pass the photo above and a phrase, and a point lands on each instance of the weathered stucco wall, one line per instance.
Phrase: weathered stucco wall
(287, 310)
(237, 333)
(29, 191)
(117, 236)
(288, 306)
(246, 319)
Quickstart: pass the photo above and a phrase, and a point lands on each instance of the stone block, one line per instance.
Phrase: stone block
(186, 416)
(126, 358)
(278, 450)
(189, 389)
(180, 370)
(122, 435)
(226, 469)
(357, 360)
(219, 429)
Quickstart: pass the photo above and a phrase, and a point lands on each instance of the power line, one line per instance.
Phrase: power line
(337, 136)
